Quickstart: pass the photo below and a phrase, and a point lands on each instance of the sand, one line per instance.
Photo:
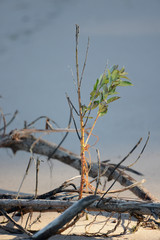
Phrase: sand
(78, 230)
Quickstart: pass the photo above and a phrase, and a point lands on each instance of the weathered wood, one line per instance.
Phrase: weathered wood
(53, 227)
(107, 204)
(18, 141)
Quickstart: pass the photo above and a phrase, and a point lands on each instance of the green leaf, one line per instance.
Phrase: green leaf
(110, 78)
(96, 84)
(124, 77)
(105, 79)
(95, 104)
(124, 73)
(100, 81)
(125, 83)
(103, 107)
(113, 92)
(101, 97)
(122, 70)
(114, 68)
(84, 109)
(112, 99)
(94, 94)
(115, 75)
(105, 91)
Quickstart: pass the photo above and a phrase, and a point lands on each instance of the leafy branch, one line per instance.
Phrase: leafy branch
(103, 93)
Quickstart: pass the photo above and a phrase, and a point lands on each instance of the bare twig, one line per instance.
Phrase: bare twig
(26, 173)
(41, 117)
(99, 171)
(16, 224)
(4, 122)
(110, 176)
(71, 106)
(11, 120)
(85, 61)
(69, 123)
(37, 172)
(141, 151)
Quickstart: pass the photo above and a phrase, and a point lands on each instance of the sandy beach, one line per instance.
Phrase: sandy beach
(78, 231)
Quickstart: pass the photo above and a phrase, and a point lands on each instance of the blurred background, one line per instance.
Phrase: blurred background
(37, 57)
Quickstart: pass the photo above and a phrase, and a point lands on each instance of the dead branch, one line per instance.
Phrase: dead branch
(18, 141)
(16, 224)
(53, 227)
(107, 204)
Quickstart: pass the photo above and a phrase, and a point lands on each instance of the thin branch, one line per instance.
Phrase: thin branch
(4, 122)
(71, 106)
(70, 103)
(11, 120)
(41, 117)
(26, 173)
(77, 66)
(91, 130)
(85, 61)
(73, 77)
(141, 151)
(99, 171)
(16, 224)
(110, 176)
(69, 123)
(37, 172)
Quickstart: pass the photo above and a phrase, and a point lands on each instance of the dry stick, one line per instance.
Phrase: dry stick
(85, 61)
(83, 160)
(71, 106)
(53, 227)
(71, 224)
(11, 120)
(99, 172)
(69, 123)
(28, 218)
(4, 122)
(30, 124)
(11, 230)
(37, 172)
(115, 227)
(57, 190)
(16, 224)
(108, 204)
(110, 176)
(141, 151)
(44, 147)
(26, 173)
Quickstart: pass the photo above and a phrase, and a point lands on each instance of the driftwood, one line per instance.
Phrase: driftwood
(107, 204)
(23, 140)
(53, 227)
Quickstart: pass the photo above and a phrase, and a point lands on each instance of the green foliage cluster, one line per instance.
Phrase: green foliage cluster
(104, 89)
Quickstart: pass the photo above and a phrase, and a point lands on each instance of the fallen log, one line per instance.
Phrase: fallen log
(107, 204)
(27, 142)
